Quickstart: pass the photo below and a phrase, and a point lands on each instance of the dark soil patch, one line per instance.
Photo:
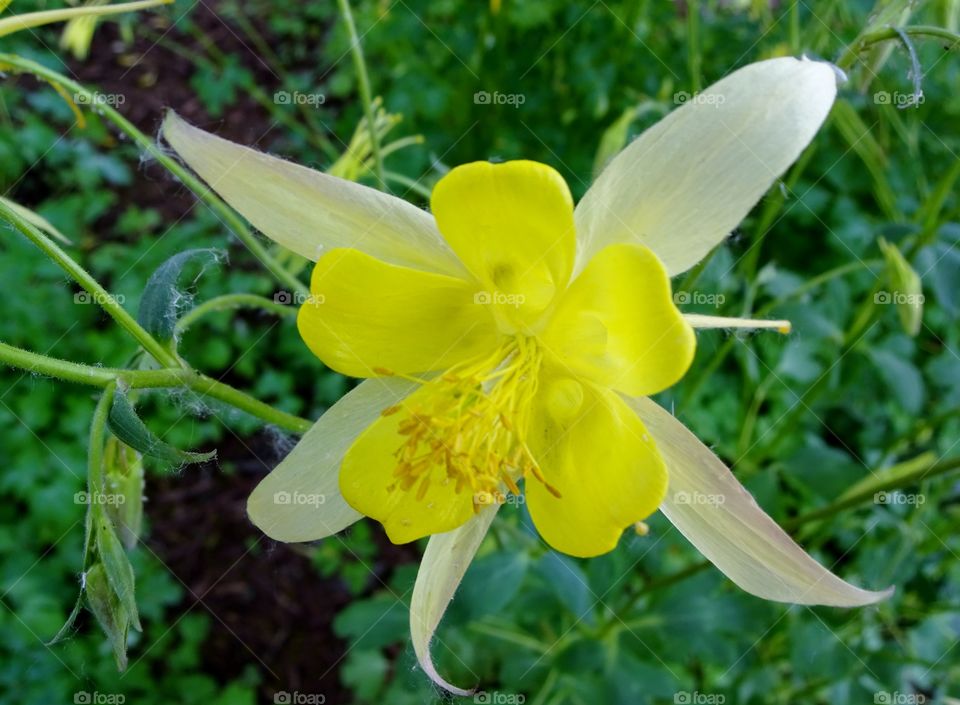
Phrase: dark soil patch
(268, 606)
(152, 78)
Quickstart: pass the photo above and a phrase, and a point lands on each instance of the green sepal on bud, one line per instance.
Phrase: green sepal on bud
(124, 480)
(127, 426)
(906, 288)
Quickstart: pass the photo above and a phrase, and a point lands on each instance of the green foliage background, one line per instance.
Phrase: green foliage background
(526, 621)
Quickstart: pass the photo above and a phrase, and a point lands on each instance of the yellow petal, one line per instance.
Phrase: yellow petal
(408, 510)
(300, 499)
(600, 459)
(511, 225)
(443, 566)
(713, 510)
(685, 183)
(307, 211)
(365, 315)
(617, 325)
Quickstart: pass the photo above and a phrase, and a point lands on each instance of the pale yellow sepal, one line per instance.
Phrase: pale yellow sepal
(718, 516)
(443, 566)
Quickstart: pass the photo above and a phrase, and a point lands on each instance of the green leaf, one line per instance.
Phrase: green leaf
(364, 672)
(117, 567)
(128, 427)
(158, 307)
(505, 569)
(901, 377)
(111, 615)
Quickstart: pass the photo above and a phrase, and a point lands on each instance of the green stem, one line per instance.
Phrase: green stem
(364, 83)
(693, 44)
(233, 301)
(100, 295)
(205, 194)
(150, 379)
(859, 45)
(28, 20)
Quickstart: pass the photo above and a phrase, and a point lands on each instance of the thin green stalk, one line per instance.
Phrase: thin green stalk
(693, 44)
(240, 400)
(100, 295)
(363, 81)
(67, 371)
(29, 20)
(795, 27)
(205, 194)
(35, 363)
(233, 301)
(863, 43)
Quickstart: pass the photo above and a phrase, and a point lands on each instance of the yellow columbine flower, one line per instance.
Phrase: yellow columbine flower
(510, 339)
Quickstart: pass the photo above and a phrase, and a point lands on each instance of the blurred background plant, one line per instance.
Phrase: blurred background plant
(857, 247)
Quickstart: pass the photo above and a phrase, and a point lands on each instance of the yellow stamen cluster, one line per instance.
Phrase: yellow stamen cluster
(467, 427)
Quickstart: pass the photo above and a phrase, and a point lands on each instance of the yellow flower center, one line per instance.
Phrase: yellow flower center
(468, 426)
